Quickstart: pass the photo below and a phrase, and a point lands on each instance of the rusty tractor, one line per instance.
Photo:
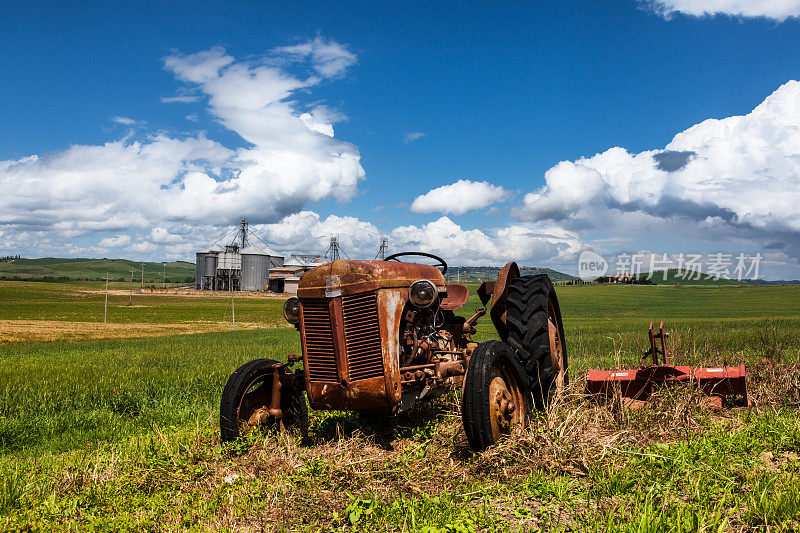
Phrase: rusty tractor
(379, 336)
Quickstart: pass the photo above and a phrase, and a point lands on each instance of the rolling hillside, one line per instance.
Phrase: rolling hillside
(472, 274)
(58, 269)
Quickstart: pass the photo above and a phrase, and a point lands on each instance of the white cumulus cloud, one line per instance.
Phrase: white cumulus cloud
(329, 58)
(306, 232)
(774, 9)
(736, 178)
(527, 243)
(115, 242)
(459, 197)
(290, 157)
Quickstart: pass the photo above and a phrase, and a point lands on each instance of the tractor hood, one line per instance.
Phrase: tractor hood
(347, 276)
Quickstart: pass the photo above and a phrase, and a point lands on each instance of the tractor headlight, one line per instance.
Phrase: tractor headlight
(291, 310)
(423, 293)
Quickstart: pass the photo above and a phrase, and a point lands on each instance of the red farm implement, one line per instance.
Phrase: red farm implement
(722, 385)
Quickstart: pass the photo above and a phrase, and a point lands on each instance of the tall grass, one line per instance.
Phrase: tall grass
(121, 435)
(59, 396)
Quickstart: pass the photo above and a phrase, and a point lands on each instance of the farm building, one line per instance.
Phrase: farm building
(238, 266)
(286, 278)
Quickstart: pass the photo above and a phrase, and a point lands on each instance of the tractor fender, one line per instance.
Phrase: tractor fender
(497, 291)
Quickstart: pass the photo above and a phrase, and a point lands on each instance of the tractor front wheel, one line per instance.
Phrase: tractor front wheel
(536, 333)
(495, 400)
(247, 398)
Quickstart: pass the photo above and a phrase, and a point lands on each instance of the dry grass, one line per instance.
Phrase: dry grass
(188, 293)
(56, 330)
(307, 484)
(275, 482)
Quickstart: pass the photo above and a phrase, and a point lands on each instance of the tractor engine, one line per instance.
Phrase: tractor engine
(378, 335)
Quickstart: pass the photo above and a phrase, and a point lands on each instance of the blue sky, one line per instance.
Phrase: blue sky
(496, 93)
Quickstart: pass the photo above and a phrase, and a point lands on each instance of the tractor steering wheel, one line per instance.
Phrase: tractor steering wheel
(440, 265)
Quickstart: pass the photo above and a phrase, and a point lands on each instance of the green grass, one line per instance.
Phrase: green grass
(53, 268)
(85, 303)
(707, 324)
(62, 396)
(121, 434)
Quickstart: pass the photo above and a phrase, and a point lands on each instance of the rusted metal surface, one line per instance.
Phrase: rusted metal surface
(316, 333)
(654, 350)
(505, 396)
(351, 368)
(469, 324)
(275, 399)
(499, 296)
(362, 336)
(557, 357)
(360, 276)
(723, 385)
(261, 403)
(351, 314)
(457, 296)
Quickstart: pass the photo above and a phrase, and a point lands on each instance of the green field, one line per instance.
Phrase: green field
(57, 269)
(85, 303)
(121, 434)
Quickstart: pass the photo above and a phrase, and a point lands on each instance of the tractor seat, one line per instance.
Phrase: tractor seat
(457, 295)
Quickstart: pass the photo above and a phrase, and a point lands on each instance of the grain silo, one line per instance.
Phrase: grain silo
(210, 268)
(256, 262)
(229, 268)
(199, 267)
(255, 269)
(237, 266)
(229, 259)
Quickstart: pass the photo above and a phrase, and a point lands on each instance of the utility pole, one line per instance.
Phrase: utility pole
(233, 309)
(165, 274)
(105, 311)
(334, 248)
(384, 248)
(142, 287)
(243, 231)
(130, 302)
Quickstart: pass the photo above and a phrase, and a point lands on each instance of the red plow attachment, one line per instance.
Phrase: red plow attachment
(722, 385)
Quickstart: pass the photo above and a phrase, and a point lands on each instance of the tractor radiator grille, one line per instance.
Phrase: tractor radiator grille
(319, 340)
(362, 335)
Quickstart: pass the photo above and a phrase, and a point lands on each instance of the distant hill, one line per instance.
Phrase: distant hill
(58, 269)
(470, 274)
(775, 282)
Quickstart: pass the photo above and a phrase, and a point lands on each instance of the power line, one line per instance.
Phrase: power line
(228, 233)
(254, 234)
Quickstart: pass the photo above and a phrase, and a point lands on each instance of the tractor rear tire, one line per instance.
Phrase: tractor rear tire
(248, 390)
(536, 333)
(495, 399)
